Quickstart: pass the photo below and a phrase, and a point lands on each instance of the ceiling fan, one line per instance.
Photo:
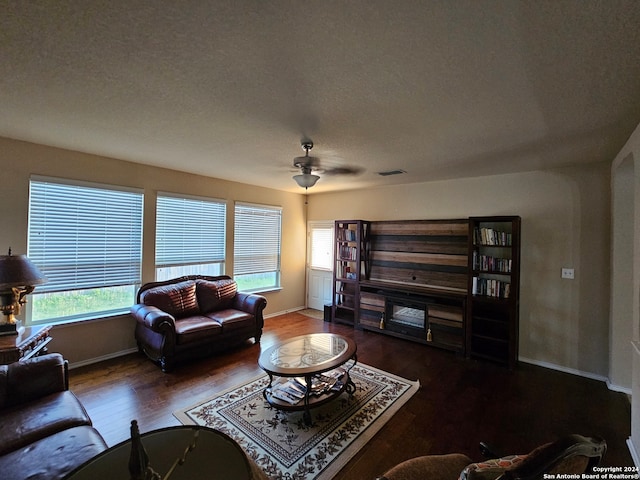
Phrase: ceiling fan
(308, 165)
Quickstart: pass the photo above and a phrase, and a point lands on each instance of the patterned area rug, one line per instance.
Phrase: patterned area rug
(282, 445)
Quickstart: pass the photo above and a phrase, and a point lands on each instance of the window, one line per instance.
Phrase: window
(256, 253)
(87, 240)
(321, 248)
(190, 236)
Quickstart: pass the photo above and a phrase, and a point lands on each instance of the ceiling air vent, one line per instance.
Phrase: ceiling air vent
(391, 172)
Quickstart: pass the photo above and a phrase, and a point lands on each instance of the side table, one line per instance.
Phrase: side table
(187, 452)
(30, 342)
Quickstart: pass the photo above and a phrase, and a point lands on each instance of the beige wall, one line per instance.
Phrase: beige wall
(83, 342)
(623, 286)
(625, 300)
(565, 223)
(566, 217)
(565, 213)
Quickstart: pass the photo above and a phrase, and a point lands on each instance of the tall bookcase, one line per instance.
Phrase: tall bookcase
(351, 265)
(494, 288)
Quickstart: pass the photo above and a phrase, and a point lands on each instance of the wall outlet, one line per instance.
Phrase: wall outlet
(568, 273)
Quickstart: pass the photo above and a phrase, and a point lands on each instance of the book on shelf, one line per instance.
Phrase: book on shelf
(348, 253)
(491, 237)
(490, 287)
(489, 263)
(344, 271)
(346, 235)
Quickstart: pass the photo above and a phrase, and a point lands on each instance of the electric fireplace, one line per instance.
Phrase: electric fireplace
(406, 317)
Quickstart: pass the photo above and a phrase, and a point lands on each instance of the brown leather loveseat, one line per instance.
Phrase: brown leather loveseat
(45, 432)
(194, 316)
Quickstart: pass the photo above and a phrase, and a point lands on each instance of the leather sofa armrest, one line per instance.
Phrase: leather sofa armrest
(250, 303)
(34, 378)
(153, 318)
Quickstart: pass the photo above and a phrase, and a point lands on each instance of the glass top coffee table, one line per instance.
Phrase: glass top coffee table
(308, 371)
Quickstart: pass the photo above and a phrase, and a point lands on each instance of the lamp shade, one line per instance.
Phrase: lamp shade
(18, 271)
(306, 180)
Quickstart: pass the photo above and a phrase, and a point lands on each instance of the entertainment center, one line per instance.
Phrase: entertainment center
(453, 284)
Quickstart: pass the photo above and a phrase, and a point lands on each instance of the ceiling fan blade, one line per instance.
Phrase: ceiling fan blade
(306, 161)
(343, 171)
(312, 166)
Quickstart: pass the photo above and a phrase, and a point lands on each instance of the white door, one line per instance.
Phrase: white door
(319, 264)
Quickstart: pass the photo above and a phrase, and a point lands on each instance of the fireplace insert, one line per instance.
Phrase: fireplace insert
(406, 317)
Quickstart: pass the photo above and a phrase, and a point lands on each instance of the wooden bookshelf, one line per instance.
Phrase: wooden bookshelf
(351, 265)
(451, 283)
(494, 288)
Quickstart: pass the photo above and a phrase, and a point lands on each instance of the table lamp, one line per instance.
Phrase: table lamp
(18, 277)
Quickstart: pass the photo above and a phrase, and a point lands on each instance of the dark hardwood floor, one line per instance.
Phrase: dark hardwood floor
(460, 403)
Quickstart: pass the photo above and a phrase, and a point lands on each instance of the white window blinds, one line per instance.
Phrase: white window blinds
(189, 231)
(83, 236)
(257, 239)
(321, 247)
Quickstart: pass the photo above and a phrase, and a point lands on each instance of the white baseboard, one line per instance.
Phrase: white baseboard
(121, 353)
(291, 310)
(634, 453)
(553, 366)
(580, 373)
(617, 388)
(91, 361)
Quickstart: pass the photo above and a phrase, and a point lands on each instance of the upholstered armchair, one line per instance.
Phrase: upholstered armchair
(573, 454)
(45, 431)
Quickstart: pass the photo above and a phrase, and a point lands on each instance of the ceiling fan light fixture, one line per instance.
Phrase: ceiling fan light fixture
(306, 180)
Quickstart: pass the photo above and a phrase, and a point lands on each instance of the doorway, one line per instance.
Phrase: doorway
(319, 264)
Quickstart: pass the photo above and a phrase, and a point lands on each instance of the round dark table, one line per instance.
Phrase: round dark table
(208, 454)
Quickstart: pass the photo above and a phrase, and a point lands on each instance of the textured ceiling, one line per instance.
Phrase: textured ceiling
(440, 89)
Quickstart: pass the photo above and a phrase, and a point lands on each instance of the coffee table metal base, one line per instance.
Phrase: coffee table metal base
(307, 356)
(310, 400)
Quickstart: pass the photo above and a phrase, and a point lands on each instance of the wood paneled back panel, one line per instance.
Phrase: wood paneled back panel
(427, 253)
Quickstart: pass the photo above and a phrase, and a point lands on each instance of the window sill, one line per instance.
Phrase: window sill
(80, 320)
(261, 291)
